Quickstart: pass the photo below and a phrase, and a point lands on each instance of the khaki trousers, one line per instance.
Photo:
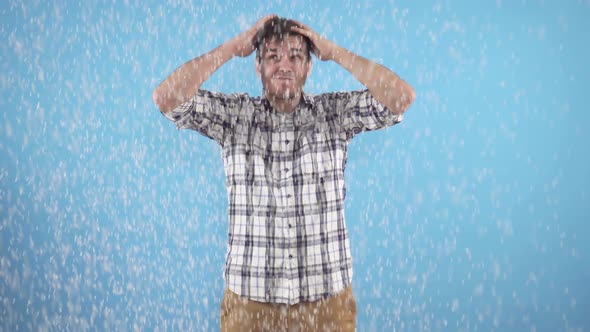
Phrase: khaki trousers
(336, 313)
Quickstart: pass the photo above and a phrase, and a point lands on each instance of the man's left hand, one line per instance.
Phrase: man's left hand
(323, 48)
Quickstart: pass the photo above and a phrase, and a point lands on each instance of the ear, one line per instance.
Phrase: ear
(309, 66)
(257, 65)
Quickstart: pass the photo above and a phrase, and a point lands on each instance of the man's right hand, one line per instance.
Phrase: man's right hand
(243, 44)
(186, 80)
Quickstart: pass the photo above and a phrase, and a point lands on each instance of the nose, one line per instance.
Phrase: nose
(285, 61)
(285, 65)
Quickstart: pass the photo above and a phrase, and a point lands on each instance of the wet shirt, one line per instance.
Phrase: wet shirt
(284, 175)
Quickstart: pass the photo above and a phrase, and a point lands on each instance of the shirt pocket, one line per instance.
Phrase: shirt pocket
(310, 156)
(322, 153)
(245, 157)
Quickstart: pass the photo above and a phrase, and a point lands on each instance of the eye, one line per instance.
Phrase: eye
(296, 57)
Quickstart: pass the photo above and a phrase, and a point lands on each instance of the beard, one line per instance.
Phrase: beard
(283, 91)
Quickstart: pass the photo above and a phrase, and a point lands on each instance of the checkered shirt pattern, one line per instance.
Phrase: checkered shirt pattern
(285, 183)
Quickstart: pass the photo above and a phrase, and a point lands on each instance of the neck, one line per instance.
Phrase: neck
(284, 105)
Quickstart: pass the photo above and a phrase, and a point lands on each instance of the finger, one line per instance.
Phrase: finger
(301, 25)
(307, 33)
(268, 17)
(302, 31)
(312, 38)
(260, 23)
(258, 27)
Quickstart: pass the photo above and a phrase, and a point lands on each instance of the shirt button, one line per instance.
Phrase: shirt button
(286, 170)
(290, 225)
(291, 256)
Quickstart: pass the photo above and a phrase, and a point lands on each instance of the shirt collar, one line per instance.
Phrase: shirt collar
(308, 99)
(302, 115)
(305, 99)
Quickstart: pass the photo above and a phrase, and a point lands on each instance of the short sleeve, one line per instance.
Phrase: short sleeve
(359, 111)
(212, 114)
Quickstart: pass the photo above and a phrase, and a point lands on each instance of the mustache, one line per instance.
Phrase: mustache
(281, 73)
(284, 75)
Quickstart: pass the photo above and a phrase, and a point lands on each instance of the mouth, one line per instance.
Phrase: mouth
(283, 78)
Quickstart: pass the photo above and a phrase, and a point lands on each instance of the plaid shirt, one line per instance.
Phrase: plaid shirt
(285, 183)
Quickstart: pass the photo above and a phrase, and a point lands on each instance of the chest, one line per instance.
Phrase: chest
(285, 147)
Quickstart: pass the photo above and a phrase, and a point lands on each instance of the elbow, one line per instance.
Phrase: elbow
(158, 98)
(411, 96)
(403, 102)
(408, 99)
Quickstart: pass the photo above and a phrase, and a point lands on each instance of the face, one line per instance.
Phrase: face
(283, 67)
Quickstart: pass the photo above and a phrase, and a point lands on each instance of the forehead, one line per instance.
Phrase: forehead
(287, 42)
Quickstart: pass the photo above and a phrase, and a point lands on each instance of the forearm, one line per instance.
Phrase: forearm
(386, 86)
(184, 82)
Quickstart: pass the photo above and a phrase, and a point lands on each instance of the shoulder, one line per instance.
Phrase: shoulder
(235, 96)
(233, 102)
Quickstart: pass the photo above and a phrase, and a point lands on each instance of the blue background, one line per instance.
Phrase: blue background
(472, 214)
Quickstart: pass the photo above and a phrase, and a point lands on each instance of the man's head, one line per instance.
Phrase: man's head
(283, 59)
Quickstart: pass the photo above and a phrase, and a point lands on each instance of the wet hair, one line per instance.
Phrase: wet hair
(280, 28)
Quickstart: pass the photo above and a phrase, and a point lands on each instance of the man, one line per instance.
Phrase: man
(288, 264)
